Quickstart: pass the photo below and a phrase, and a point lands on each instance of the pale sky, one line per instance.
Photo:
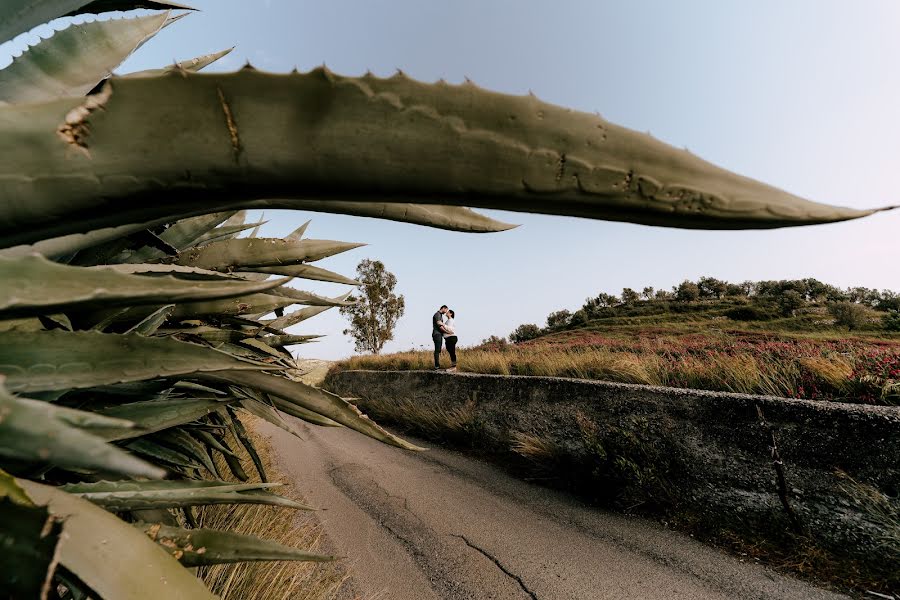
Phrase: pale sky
(801, 94)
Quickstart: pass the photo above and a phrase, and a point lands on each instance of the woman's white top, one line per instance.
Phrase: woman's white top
(449, 326)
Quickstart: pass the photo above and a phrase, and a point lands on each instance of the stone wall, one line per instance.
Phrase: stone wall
(703, 458)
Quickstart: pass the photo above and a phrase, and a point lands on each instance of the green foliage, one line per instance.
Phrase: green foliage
(790, 301)
(629, 296)
(847, 314)
(687, 291)
(891, 321)
(749, 313)
(558, 319)
(525, 332)
(376, 309)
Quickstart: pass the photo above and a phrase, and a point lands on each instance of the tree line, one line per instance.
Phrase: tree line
(763, 300)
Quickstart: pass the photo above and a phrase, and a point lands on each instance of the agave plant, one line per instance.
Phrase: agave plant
(135, 322)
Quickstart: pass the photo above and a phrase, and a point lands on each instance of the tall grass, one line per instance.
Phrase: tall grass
(300, 529)
(847, 370)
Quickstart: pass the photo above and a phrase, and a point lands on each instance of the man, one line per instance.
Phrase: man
(437, 334)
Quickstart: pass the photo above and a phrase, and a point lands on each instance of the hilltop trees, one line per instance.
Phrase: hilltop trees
(744, 301)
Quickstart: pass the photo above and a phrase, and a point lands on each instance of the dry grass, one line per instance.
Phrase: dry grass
(752, 363)
(269, 580)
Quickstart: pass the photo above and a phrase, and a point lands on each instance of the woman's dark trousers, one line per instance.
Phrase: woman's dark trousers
(451, 348)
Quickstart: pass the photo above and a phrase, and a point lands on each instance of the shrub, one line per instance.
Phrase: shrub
(848, 314)
(891, 321)
(559, 318)
(525, 332)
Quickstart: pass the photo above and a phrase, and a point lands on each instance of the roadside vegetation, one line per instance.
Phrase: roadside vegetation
(794, 339)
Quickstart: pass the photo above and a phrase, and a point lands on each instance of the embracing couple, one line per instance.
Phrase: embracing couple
(443, 330)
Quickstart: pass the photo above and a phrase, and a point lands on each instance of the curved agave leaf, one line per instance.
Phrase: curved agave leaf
(34, 285)
(244, 305)
(280, 341)
(303, 272)
(159, 452)
(230, 254)
(308, 298)
(297, 234)
(62, 360)
(29, 537)
(177, 271)
(75, 59)
(319, 401)
(19, 16)
(200, 547)
(266, 412)
(422, 143)
(37, 431)
(226, 232)
(240, 433)
(194, 64)
(303, 414)
(150, 324)
(303, 314)
(157, 415)
(190, 446)
(113, 558)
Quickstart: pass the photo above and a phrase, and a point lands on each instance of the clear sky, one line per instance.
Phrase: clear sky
(804, 95)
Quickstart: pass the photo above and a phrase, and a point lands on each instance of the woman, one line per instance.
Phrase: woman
(449, 328)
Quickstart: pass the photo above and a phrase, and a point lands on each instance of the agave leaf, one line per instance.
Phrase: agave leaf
(383, 138)
(303, 314)
(201, 547)
(70, 244)
(34, 285)
(157, 415)
(303, 414)
(261, 346)
(297, 234)
(226, 232)
(266, 412)
(319, 401)
(37, 431)
(303, 272)
(308, 298)
(210, 440)
(113, 558)
(184, 442)
(177, 271)
(240, 433)
(60, 360)
(75, 59)
(280, 341)
(28, 537)
(139, 495)
(19, 16)
(150, 324)
(230, 254)
(158, 452)
(244, 305)
(194, 64)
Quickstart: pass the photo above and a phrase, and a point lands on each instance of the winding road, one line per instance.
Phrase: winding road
(440, 525)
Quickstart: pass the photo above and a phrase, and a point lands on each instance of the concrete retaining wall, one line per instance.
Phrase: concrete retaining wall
(704, 458)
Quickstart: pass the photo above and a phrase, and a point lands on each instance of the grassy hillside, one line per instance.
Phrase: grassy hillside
(698, 345)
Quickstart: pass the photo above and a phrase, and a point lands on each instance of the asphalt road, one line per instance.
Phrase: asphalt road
(436, 524)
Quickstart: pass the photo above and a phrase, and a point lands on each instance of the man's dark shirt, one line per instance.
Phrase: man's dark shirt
(436, 323)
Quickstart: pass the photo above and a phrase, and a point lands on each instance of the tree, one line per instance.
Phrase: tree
(647, 292)
(377, 308)
(525, 332)
(710, 287)
(848, 313)
(687, 291)
(629, 296)
(559, 318)
(790, 301)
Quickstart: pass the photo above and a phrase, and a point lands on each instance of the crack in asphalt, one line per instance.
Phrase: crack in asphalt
(499, 564)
